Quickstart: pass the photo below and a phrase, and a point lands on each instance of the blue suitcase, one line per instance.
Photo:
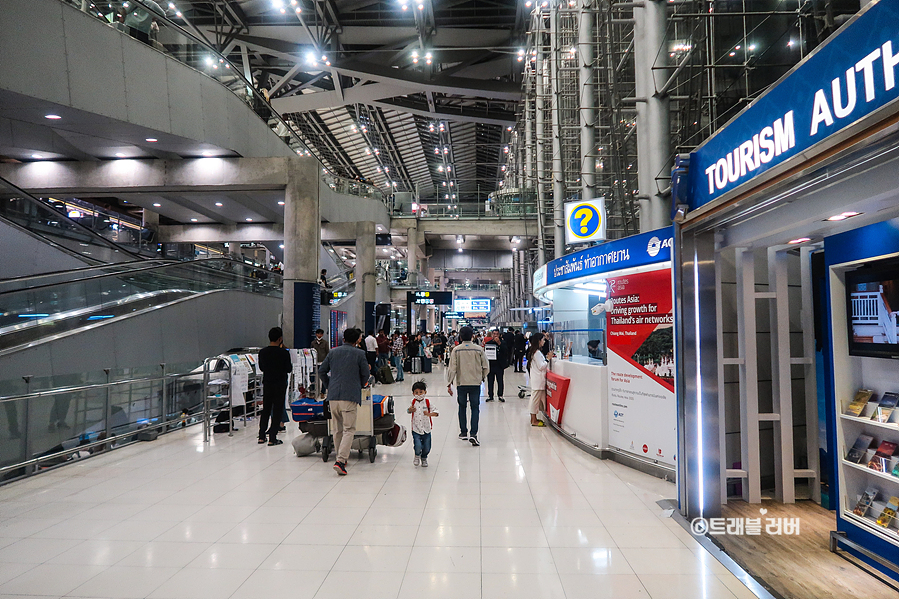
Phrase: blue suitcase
(307, 410)
(381, 405)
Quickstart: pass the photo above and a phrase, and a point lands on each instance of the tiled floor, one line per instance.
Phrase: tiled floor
(524, 515)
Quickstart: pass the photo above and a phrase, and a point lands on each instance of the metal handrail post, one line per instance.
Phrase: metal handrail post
(206, 400)
(26, 430)
(163, 414)
(231, 392)
(108, 428)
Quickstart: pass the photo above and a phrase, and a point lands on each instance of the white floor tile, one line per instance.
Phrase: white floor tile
(373, 558)
(517, 560)
(684, 586)
(521, 586)
(281, 583)
(50, 579)
(441, 585)
(35, 551)
(164, 554)
(121, 582)
(445, 559)
(96, 553)
(302, 557)
(448, 536)
(371, 585)
(603, 586)
(513, 536)
(193, 583)
(384, 534)
(233, 555)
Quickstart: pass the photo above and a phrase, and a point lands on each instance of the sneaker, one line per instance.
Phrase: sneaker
(424, 462)
(502, 399)
(417, 460)
(463, 436)
(340, 468)
(474, 441)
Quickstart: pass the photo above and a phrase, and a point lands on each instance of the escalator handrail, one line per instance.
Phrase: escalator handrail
(90, 232)
(166, 264)
(76, 271)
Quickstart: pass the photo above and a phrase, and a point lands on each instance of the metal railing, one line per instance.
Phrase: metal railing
(188, 45)
(51, 421)
(466, 210)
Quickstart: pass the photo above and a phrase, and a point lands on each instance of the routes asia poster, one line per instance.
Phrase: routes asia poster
(642, 409)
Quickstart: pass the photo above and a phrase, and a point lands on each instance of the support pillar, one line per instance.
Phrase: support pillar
(653, 127)
(557, 167)
(587, 112)
(412, 255)
(366, 276)
(150, 219)
(234, 251)
(540, 147)
(302, 248)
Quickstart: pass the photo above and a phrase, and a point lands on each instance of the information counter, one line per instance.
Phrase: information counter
(611, 328)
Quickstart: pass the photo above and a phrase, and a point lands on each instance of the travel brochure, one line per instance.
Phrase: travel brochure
(888, 513)
(866, 405)
(865, 501)
(860, 449)
(881, 460)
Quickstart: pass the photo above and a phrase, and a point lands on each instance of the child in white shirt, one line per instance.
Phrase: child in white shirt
(422, 413)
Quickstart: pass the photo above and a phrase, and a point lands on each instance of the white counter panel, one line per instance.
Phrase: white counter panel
(587, 403)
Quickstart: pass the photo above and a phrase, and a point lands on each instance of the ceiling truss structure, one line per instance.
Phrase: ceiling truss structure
(409, 95)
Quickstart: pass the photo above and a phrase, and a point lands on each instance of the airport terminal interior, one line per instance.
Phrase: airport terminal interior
(569, 299)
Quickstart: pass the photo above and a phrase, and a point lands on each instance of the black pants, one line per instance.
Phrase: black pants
(372, 357)
(519, 360)
(500, 386)
(272, 407)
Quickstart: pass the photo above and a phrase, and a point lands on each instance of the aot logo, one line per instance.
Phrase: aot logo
(656, 245)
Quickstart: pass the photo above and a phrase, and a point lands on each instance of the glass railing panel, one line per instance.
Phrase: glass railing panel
(12, 432)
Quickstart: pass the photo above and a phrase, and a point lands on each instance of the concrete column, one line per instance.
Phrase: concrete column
(653, 127)
(234, 251)
(587, 112)
(540, 146)
(302, 247)
(557, 167)
(412, 254)
(366, 276)
(150, 219)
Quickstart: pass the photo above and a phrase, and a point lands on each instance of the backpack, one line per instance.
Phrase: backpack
(395, 436)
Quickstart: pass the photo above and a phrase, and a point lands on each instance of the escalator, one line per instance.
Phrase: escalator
(42, 307)
(42, 237)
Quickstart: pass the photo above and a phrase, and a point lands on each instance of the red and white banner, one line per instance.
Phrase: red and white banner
(642, 408)
(556, 392)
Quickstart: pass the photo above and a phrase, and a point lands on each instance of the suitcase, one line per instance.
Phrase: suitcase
(426, 364)
(381, 405)
(385, 375)
(416, 365)
(306, 410)
(407, 365)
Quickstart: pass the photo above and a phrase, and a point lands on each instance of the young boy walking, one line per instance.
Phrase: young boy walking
(422, 414)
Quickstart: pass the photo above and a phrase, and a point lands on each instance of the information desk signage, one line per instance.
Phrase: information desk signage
(638, 250)
(850, 76)
(556, 392)
(472, 305)
(585, 221)
(430, 298)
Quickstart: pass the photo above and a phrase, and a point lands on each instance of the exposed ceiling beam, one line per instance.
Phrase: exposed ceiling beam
(360, 94)
(445, 113)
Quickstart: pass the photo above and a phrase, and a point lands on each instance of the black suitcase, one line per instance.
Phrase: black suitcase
(407, 365)
(385, 375)
(426, 364)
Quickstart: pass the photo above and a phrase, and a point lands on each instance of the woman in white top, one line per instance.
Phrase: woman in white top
(537, 367)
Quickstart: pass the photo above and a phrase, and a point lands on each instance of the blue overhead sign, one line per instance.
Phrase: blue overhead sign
(850, 76)
(628, 252)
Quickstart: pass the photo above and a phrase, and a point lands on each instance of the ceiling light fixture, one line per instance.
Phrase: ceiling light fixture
(157, 205)
(38, 156)
(193, 220)
(151, 140)
(119, 154)
(52, 117)
(249, 220)
(218, 204)
(799, 240)
(281, 203)
(843, 216)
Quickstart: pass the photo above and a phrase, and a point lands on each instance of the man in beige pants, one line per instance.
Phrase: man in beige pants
(349, 367)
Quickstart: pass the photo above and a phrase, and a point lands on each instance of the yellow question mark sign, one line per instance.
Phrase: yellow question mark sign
(583, 214)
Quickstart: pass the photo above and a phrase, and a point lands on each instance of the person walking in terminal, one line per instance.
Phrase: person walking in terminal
(275, 364)
(321, 347)
(371, 351)
(397, 357)
(346, 371)
(467, 368)
(520, 347)
(498, 357)
(423, 414)
(537, 367)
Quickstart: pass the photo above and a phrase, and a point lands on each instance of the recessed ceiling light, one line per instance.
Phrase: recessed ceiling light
(218, 203)
(800, 240)
(36, 156)
(280, 203)
(52, 117)
(119, 154)
(207, 153)
(152, 140)
(158, 205)
(843, 216)
(249, 220)
(193, 220)
(281, 246)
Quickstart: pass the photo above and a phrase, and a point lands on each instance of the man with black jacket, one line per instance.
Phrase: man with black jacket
(498, 357)
(275, 364)
(520, 348)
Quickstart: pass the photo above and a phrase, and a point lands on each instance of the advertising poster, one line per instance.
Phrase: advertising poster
(556, 392)
(642, 409)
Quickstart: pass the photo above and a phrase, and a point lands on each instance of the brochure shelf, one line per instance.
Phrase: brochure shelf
(890, 426)
(893, 479)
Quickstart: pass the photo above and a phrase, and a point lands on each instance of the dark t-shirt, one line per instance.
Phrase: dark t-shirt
(274, 362)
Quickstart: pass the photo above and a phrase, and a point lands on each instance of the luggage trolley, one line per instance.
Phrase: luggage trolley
(369, 427)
